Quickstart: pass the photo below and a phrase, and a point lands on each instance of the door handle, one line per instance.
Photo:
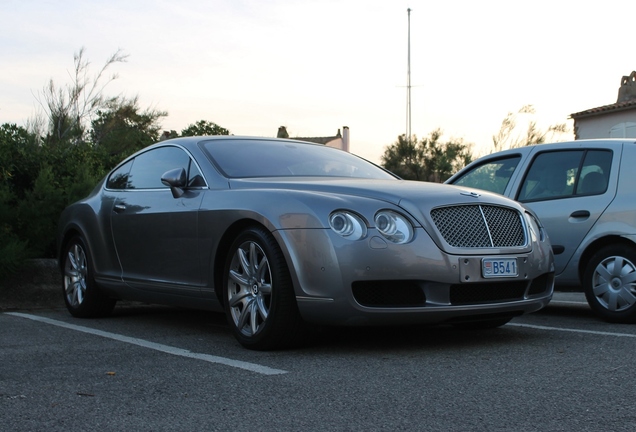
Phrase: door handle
(119, 208)
(580, 214)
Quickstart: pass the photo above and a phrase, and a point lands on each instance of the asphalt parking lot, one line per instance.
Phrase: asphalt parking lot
(159, 368)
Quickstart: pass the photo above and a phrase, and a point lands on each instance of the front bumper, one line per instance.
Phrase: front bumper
(373, 282)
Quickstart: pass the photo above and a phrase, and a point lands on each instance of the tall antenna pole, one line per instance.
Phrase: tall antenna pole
(408, 81)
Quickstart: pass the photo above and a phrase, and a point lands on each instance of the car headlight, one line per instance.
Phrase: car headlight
(536, 230)
(393, 226)
(348, 225)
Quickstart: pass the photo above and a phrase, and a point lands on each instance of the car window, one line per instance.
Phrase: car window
(263, 158)
(594, 173)
(118, 179)
(562, 174)
(492, 176)
(551, 175)
(195, 178)
(146, 169)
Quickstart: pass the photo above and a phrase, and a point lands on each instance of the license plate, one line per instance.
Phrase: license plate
(499, 267)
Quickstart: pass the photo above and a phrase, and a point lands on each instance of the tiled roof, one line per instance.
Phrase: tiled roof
(619, 106)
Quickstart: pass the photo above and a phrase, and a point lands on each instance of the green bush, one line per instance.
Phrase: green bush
(40, 176)
(38, 212)
(13, 251)
(37, 180)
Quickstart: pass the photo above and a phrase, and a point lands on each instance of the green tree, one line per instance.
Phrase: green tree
(406, 158)
(509, 135)
(122, 128)
(204, 128)
(428, 159)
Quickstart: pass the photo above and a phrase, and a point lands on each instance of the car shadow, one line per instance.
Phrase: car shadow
(414, 337)
(568, 310)
(322, 338)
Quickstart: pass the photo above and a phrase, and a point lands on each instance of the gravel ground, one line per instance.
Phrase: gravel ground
(38, 284)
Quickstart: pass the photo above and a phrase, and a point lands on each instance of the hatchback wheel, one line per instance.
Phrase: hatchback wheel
(81, 294)
(609, 282)
(257, 293)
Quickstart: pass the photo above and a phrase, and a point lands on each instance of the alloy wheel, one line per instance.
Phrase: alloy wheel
(249, 288)
(75, 269)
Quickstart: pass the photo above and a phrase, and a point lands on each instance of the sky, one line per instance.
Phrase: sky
(313, 66)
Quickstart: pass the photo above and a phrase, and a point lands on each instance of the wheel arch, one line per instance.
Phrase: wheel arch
(69, 233)
(223, 248)
(593, 247)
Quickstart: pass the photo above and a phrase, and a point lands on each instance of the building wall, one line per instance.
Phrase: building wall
(604, 126)
(341, 143)
(337, 143)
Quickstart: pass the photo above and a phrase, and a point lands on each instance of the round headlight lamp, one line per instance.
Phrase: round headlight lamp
(347, 225)
(393, 226)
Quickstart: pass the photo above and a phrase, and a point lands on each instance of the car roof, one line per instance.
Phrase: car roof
(525, 150)
(193, 140)
(589, 142)
(612, 142)
(575, 143)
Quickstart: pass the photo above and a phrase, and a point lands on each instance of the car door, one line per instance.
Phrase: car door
(568, 189)
(155, 234)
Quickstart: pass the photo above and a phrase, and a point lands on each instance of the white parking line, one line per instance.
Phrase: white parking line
(601, 333)
(252, 367)
(559, 302)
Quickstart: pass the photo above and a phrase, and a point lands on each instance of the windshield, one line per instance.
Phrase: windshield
(238, 158)
(492, 176)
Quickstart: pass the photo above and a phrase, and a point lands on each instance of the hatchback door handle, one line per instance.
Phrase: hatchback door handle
(580, 214)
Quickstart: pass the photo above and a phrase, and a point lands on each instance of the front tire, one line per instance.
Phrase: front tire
(82, 296)
(609, 283)
(258, 295)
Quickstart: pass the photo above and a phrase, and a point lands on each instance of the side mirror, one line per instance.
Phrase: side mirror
(176, 179)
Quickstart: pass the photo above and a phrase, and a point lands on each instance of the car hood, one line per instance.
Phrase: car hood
(414, 198)
(403, 193)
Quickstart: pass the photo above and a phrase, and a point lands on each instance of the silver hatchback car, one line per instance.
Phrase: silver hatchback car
(584, 192)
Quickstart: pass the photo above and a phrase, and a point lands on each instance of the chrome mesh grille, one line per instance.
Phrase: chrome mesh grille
(479, 226)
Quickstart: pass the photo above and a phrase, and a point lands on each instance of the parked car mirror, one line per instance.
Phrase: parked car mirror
(176, 179)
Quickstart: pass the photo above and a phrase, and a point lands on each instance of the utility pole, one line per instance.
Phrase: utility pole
(408, 81)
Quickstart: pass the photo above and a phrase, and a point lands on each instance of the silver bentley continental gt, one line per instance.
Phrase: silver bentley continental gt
(278, 234)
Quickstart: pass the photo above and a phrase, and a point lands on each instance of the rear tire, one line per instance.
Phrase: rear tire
(609, 283)
(82, 296)
(258, 294)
